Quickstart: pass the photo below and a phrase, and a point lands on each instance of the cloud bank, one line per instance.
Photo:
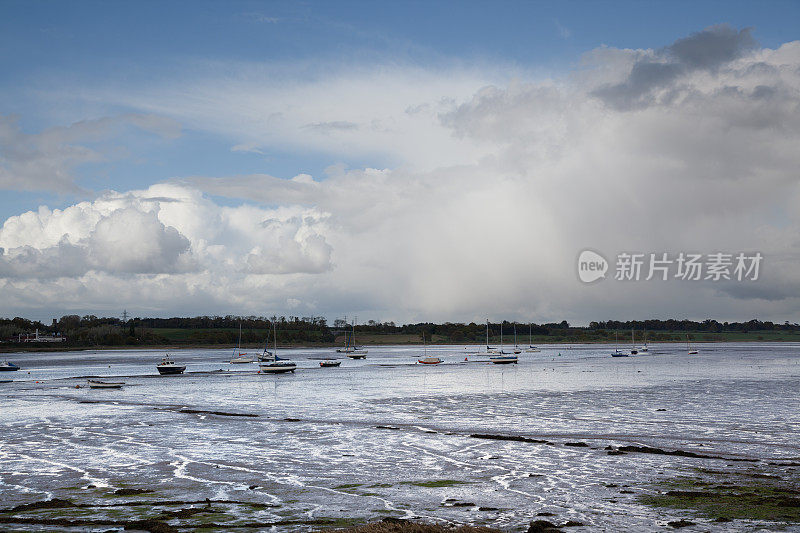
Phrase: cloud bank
(494, 190)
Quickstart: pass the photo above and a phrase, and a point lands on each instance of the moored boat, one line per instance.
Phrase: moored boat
(242, 357)
(8, 366)
(97, 384)
(504, 359)
(329, 363)
(689, 348)
(278, 365)
(425, 359)
(353, 351)
(531, 348)
(168, 367)
(617, 352)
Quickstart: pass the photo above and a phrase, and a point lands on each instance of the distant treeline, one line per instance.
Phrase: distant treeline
(91, 330)
(690, 325)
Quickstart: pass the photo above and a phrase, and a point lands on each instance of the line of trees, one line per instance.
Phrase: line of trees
(90, 330)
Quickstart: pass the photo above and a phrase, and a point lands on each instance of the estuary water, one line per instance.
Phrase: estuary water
(386, 437)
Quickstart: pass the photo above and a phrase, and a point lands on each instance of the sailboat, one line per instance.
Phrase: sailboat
(643, 349)
(266, 356)
(516, 347)
(503, 358)
(689, 348)
(425, 360)
(634, 351)
(617, 352)
(238, 356)
(279, 365)
(489, 350)
(354, 351)
(531, 348)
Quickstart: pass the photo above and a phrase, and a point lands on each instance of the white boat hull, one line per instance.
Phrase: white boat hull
(105, 384)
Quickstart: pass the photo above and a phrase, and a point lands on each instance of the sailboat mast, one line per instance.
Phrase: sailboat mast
(239, 344)
(487, 333)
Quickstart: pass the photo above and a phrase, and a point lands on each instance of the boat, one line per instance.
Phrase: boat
(8, 366)
(503, 358)
(689, 348)
(354, 351)
(168, 367)
(97, 384)
(425, 360)
(266, 355)
(242, 357)
(531, 348)
(643, 349)
(489, 350)
(516, 348)
(278, 366)
(327, 363)
(634, 351)
(617, 352)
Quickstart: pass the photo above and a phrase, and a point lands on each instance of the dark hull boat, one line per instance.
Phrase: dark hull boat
(167, 367)
(167, 370)
(8, 367)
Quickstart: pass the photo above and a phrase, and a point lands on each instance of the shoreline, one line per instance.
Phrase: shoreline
(45, 347)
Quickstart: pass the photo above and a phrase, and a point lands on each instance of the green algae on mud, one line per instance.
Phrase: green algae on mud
(739, 495)
(436, 483)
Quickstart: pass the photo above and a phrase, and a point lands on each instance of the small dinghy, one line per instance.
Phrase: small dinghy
(97, 384)
(168, 367)
(329, 363)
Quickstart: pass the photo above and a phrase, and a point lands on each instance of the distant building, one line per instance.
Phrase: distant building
(35, 337)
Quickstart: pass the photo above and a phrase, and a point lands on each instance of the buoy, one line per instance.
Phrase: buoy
(465, 359)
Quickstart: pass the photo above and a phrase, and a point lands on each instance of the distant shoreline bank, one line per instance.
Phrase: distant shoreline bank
(32, 347)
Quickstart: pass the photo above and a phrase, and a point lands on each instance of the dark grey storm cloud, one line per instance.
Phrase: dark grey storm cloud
(706, 50)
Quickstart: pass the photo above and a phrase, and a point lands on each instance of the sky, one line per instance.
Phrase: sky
(403, 161)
